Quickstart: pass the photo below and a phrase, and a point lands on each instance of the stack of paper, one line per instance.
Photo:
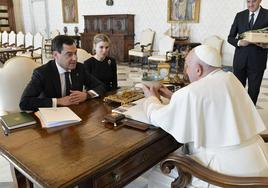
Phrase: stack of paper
(134, 111)
(52, 117)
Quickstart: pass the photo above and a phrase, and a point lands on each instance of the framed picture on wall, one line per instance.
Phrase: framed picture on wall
(183, 11)
(69, 11)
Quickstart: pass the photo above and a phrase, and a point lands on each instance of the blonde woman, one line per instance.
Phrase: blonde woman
(100, 65)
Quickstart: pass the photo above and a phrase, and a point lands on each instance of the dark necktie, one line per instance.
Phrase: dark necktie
(251, 22)
(67, 83)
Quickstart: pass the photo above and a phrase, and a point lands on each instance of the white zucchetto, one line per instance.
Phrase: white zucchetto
(208, 55)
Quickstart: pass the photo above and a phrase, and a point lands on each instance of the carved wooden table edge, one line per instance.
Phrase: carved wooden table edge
(111, 172)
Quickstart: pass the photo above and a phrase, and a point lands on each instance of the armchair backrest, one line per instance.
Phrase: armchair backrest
(20, 39)
(28, 40)
(12, 38)
(215, 42)
(166, 44)
(14, 76)
(54, 33)
(147, 37)
(4, 38)
(82, 55)
(38, 42)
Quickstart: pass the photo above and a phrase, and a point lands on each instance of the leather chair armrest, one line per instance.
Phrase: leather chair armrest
(137, 43)
(32, 50)
(143, 46)
(187, 167)
(168, 53)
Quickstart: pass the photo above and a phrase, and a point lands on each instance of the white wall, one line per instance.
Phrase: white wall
(216, 18)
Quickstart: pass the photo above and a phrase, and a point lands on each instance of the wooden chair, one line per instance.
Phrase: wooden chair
(163, 55)
(12, 39)
(48, 41)
(20, 40)
(142, 49)
(28, 41)
(4, 39)
(188, 167)
(35, 51)
(82, 55)
(38, 47)
(28, 44)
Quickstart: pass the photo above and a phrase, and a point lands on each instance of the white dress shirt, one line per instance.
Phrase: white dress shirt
(256, 13)
(62, 71)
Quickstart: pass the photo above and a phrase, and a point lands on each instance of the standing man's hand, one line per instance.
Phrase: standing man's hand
(262, 45)
(243, 43)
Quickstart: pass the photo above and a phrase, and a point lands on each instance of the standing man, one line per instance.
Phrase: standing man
(60, 82)
(249, 59)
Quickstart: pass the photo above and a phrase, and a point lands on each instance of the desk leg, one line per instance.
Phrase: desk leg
(23, 182)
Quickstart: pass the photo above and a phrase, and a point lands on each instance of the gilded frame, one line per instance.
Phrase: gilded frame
(180, 11)
(163, 70)
(69, 11)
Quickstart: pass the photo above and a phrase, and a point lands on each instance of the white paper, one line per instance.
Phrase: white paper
(58, 116)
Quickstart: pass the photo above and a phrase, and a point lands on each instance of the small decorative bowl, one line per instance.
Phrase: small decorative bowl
(153, 80)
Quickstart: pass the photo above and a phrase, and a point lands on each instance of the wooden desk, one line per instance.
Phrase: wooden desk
(88, 154)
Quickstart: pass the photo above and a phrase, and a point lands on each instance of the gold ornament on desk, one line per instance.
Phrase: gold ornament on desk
(163, 71)
(179, 56)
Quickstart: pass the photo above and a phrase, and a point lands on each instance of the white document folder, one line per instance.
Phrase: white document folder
(52, 117)
(134, 112)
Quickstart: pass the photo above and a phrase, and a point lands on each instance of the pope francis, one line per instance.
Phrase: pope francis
(214, 116)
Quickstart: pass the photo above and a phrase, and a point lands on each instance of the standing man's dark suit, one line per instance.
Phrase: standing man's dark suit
(249, 61)
(45, 85)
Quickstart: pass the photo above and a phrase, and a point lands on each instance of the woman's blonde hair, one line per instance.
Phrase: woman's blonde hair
(100, 38)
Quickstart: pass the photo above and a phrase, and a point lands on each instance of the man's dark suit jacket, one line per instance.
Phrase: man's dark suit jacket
(255, 55)
(45, 85)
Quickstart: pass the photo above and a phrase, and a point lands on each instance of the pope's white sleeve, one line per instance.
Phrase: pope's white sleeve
(174, 117)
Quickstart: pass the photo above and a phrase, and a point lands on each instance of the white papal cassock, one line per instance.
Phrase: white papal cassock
(219, 121)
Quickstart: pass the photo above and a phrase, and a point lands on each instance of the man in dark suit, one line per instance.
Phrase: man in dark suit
(60, 82)
(249, 59)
